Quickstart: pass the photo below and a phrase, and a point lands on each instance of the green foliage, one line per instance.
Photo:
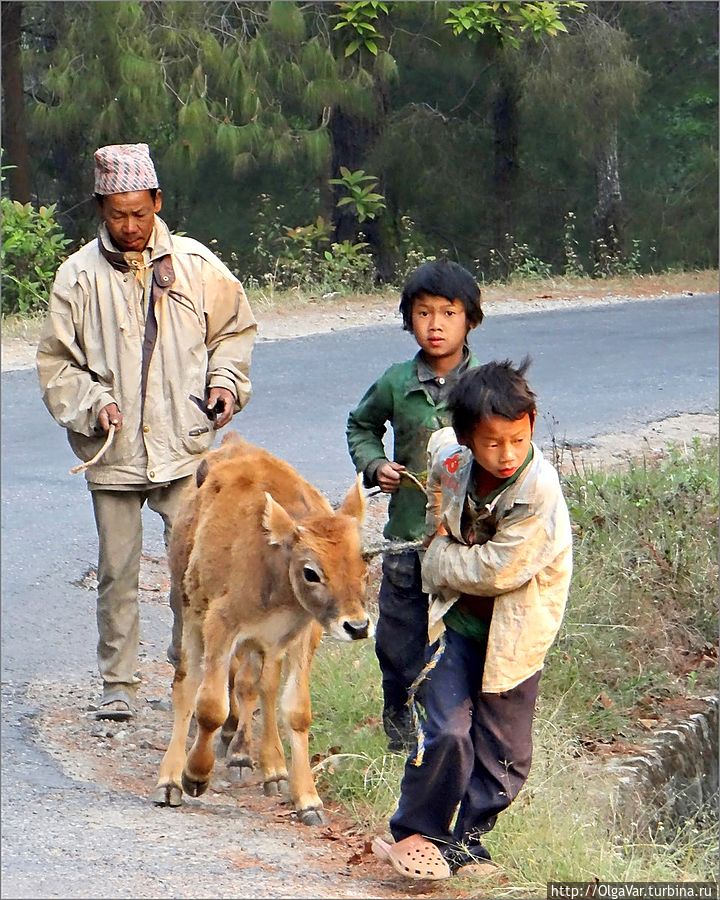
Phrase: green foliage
(505, 21)
(360, 19)
(516, 262)
(362, 197)
(610, 259)
(237, 99)
(573, 266)
(33, 246)
(643, 590)
(305, 257)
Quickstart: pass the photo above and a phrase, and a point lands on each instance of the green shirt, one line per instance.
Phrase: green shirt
(403, 398)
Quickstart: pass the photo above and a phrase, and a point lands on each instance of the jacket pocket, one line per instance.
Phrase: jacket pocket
(197, 432)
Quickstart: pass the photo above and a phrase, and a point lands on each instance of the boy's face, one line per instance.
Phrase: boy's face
(440, 328)
(500, 445)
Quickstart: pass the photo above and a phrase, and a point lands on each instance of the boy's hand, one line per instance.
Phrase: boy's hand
(388, 477)
(441, 530)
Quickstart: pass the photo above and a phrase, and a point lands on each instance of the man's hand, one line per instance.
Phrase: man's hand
(223, 402)
(388, 476)
(110, 415)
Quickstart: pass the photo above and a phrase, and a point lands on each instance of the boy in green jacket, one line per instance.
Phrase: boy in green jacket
(440, 304)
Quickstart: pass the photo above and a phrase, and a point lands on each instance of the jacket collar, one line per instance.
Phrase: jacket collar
(521, 491)
(422, 373)
(161, 239)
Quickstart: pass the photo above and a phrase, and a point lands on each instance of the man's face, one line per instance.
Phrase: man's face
(130, 218)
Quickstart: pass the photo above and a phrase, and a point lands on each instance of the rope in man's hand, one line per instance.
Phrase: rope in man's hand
(100, 453)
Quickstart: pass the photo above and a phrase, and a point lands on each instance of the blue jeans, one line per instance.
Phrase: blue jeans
(401, 633)
(478, 749)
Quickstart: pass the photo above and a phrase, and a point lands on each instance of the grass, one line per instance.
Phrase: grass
(641, 618)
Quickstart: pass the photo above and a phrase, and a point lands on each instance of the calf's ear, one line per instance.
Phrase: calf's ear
(354, 502)
(276, 521)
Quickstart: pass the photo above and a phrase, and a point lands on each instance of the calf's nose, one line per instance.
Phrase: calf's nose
(357, 629)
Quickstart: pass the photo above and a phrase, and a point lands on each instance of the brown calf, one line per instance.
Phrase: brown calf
(260, 565)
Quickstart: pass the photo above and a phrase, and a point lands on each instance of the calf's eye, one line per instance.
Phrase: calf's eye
(310, 574)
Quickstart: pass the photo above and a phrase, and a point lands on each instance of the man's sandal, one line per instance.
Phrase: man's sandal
(114, 708)
(414, 857)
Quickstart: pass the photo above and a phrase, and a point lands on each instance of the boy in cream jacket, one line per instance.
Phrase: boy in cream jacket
(497, 569)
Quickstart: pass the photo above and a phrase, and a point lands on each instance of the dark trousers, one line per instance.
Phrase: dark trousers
(478, 749)
(401, 633)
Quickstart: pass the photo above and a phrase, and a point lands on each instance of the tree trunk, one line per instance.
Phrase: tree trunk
(609, 213)
(15, 138)
(505, 171)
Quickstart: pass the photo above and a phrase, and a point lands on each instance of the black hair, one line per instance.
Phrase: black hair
(495, 389)
(441, 278)
(101, 197)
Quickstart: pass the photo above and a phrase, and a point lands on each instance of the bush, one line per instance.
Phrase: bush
(33, 247)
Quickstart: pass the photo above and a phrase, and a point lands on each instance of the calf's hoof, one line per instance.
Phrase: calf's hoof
(312, 816)
(192, 787)
(167, 795)
(275, 786)
(240, 761)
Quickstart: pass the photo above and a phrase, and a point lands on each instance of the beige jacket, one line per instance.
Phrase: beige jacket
(525, 565)
(90, 354)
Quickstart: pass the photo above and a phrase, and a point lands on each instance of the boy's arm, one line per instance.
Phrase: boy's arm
(514, 555)
(366, 426)
(433, 508)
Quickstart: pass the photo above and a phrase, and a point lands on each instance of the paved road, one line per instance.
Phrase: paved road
(596, 370)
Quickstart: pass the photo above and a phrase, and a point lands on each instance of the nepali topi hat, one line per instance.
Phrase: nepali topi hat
(120, 168)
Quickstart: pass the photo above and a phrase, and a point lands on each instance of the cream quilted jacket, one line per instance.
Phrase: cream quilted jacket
(526, 565)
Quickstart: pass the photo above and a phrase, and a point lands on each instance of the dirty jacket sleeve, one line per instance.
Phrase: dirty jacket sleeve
(366, 426)
(512, 557)
(71, 394)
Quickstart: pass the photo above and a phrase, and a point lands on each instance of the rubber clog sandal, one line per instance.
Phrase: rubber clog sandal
(414, 857)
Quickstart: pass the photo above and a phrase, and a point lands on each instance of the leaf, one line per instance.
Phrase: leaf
(352, 47)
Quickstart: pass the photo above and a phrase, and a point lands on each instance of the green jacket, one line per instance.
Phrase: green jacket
(399, 398)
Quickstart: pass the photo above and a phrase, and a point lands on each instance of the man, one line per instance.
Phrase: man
(139, 323)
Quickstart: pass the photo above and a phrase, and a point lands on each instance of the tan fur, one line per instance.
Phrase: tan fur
(260, 565)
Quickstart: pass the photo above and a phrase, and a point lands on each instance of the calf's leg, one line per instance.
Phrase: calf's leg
(212, 704)
(272, 756)
(244, 696)
(168, 791)
(297, 713)
(230, 724)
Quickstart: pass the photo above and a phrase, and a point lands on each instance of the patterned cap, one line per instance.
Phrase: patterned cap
(124, 167)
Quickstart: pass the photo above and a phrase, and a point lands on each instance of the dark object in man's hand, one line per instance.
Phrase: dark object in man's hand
(211, 412)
